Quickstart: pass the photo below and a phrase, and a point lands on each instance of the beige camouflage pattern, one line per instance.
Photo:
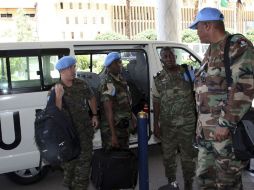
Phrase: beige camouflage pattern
(77, 171)
(219, 105)
(177, 122)
(116, 90)
(211, 86)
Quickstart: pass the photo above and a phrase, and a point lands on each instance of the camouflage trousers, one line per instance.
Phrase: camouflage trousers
(122, 133)
(217, 167)
(177, 134)
(77, 171)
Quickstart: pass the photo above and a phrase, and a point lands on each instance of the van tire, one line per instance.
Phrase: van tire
(28, 176)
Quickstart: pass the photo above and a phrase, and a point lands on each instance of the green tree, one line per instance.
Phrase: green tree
(110, 36)
(83, 62)
(250, 35)
(24, 28)
(146, 35)
(190, 36)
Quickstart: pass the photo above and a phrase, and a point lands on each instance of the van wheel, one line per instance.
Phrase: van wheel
(28, 176)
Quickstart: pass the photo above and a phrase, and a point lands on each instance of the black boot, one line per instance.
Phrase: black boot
(188, 185)
(170, 186)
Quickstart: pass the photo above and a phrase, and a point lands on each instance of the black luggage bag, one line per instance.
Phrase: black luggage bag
(55, 135)
(116, 169)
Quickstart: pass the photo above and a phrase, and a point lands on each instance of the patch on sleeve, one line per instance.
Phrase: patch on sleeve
(242, 43)
(109, 89)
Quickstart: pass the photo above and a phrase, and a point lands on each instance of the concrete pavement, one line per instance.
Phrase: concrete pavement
(53, 181)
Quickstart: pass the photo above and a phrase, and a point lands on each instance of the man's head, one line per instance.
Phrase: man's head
(67, 67)
(113, 62)
(209, 25)
(168, 58)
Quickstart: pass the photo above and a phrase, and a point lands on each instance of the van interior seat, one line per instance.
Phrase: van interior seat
(138, 72)
(92, 79)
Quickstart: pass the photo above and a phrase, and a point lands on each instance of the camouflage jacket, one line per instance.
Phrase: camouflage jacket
(76, 98)
(173, 92)
(115, 89)
(216, 103)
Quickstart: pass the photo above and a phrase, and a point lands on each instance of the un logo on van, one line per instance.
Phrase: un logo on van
(17, 132)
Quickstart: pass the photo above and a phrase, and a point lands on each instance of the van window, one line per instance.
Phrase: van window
(24, 72)
(29, 70)
(135, 71)
(50, 74)
(184, 57)
(3, 74)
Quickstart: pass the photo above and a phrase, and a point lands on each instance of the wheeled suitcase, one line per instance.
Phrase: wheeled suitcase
(114, 169)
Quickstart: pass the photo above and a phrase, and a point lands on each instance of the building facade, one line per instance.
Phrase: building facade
(56, 20)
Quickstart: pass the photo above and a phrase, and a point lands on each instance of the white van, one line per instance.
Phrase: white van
(27, 72)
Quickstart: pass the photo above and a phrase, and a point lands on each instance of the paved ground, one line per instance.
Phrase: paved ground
(156, 177)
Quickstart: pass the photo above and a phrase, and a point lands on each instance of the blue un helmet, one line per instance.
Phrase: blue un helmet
(111, 57)
(207, 14)
(65, 62)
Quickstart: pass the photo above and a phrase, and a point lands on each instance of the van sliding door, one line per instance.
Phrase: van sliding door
(134, 69)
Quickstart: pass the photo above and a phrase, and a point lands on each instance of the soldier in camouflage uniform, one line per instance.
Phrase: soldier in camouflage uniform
(115, 105)
(76, 94)
(220, 108)
(174, 109)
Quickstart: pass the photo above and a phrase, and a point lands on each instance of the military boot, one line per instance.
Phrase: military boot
(171, 186)
(188, 185)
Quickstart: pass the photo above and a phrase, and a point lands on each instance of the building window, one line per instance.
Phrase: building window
(71, 6)
(88, 6)
(63, 35)
(67, 20)
(72, 35)
(94, 20)
(30, 15)
(7, 15)
(85, 20)
(105, 6)
(102, 20)
(76, 20)
(80, 5)
(97, 6)
(61, 5)
(81, 35)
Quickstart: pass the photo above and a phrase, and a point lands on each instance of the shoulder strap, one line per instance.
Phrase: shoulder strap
(227, 60)
(52, 101)
(185, 66)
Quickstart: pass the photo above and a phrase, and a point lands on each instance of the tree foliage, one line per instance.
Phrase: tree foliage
(146, 35)
(250, 35)
(190, 36)
(24, 28)
(110, 36)
(83, 62)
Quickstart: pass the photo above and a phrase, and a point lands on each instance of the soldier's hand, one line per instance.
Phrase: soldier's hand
(59, 91)
(221, 133)
(95, 122)
(133, 121)
(114, 141)
(156, 130)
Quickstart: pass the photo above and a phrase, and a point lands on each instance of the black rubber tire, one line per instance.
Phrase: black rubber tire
(28, 176)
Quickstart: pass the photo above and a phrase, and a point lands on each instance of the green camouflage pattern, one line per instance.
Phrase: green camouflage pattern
(116, 90)
(211, 86)
(227, 173)
(177, 122)
(219, 105)
(77, 171)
